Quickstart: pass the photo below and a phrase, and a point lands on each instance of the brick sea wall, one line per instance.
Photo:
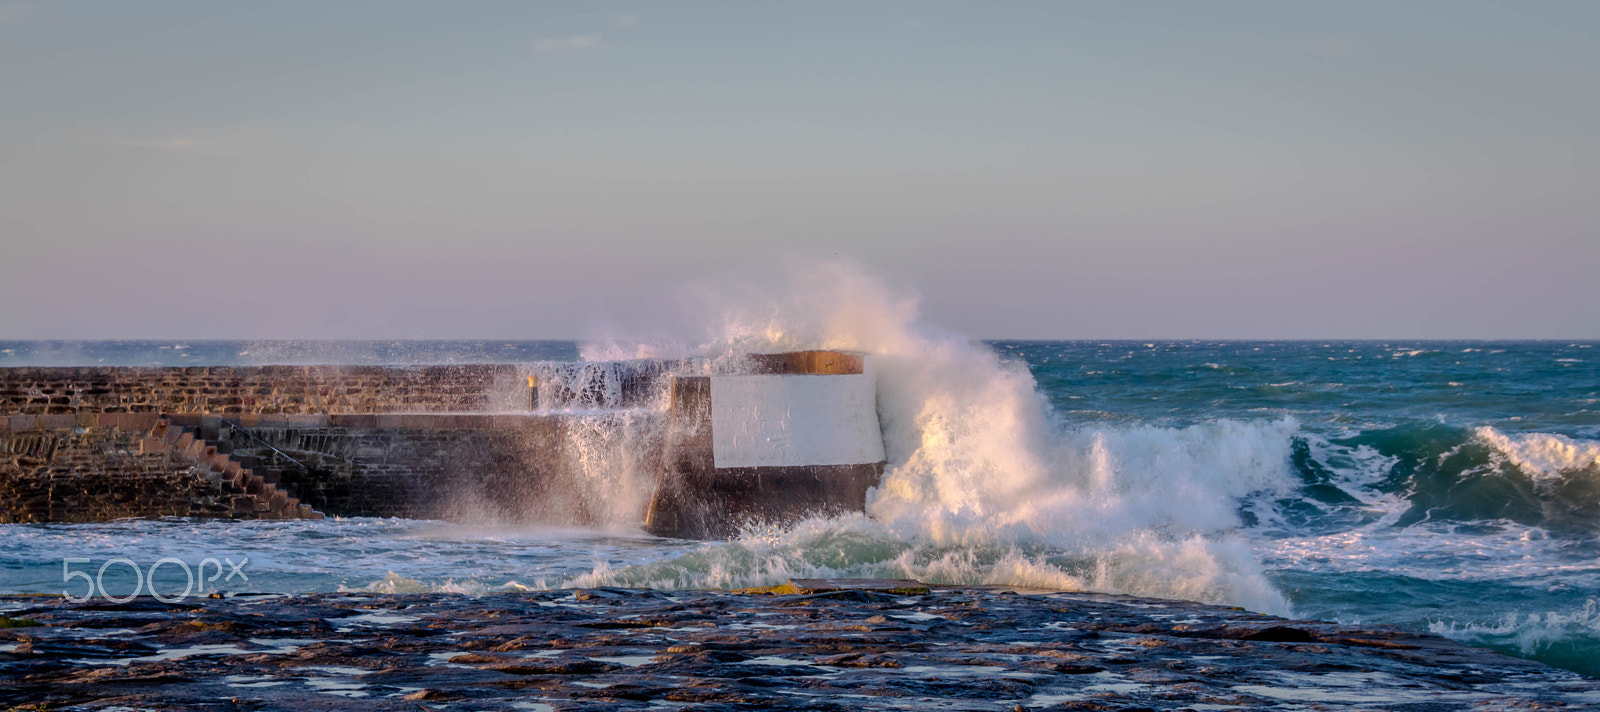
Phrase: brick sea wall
(262, 389)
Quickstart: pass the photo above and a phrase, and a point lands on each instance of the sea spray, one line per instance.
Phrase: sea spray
(984, 483)
(613, 467)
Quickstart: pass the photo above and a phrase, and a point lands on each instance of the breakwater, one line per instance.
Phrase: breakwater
(686, 448)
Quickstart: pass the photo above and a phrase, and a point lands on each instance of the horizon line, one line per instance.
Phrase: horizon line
(1128, 339)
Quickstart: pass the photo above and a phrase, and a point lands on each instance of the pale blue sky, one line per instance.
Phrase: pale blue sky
(1044, 170)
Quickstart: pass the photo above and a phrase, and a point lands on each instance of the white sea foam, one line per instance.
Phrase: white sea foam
(1493, 550)
(984, 484)
(395, 583)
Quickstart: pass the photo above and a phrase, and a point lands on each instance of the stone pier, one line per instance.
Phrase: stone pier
(774, 438)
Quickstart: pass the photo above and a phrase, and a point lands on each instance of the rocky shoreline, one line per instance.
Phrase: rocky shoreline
(845, 645)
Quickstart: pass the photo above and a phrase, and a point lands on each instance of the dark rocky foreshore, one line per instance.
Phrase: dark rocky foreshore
(821, 647)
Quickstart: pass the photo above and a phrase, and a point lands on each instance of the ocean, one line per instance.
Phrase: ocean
(1445, 486)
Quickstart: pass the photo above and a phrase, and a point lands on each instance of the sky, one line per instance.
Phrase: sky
(529, 170)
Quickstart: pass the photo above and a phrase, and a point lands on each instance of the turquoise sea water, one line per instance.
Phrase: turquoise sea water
(1445, 486)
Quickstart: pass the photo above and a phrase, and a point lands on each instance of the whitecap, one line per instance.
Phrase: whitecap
(1542, 455)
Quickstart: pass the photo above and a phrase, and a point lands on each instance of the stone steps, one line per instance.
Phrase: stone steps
(248, 494)
(256, 464)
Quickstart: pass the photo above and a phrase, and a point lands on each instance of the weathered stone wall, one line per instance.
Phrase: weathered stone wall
(262, 389)
(501, 468)
(97, 473)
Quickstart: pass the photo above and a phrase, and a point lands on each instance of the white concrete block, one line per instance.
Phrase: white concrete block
(785, 421)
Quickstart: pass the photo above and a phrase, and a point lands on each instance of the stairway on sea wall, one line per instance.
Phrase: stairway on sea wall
(108, 466)
(249, 493)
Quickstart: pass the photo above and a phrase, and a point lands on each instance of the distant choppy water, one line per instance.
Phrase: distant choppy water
(1450, 486)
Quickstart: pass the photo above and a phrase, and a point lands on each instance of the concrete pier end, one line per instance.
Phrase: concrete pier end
(799, 437)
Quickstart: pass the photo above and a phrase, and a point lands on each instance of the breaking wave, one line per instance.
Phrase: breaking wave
(988, 484)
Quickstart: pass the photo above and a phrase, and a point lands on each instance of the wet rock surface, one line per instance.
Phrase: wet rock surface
(847, 649)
